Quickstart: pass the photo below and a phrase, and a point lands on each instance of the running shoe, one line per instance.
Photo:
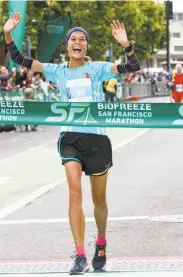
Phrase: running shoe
(99, 259)
(80, 266)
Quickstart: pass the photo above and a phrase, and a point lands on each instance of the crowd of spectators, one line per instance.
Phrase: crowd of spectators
(146, 77)
(22, 78)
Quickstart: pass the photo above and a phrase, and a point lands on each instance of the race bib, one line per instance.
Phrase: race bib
(179, 88)
(79, 90)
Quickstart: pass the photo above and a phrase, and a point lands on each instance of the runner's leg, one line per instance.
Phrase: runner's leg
(76, 217)
(98, 188)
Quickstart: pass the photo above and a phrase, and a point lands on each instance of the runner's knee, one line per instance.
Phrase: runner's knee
(75, 193)
(99, 200)
(73, 173)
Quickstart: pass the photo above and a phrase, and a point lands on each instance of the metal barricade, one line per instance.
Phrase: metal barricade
(125, 90)
(13, 95)
(144, 89)
(141, 89)
(39, 95)
(52, 95)
(162, 89)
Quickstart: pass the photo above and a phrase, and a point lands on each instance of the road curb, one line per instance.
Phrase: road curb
(134, 98)
(138, 98)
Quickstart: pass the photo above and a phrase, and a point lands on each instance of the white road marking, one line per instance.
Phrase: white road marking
(168, 218)
(28, 199)
(125, 142)
(27, 151)
(165, 218)
(39, 192)
(65, 220)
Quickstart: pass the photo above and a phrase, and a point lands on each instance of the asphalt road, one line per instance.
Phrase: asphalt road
(145, 181)
(144, 184)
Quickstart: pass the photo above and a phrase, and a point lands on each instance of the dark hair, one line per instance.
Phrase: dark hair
(87, 58)
(67, 37)
(38, 73)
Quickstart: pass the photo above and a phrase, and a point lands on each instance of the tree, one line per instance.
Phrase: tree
(88, 15)
(151, 34)
(3, 17)
(144, 21)
(38, 14)
(130, 14)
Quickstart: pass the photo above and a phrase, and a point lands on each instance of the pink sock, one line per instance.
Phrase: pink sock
(80, 250)
(101, 240)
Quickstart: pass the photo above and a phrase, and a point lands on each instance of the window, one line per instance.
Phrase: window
(174, 16)
(176, 35)
(178, 48)
(180, 16)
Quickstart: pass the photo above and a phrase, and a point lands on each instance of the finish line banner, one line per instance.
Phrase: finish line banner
(121, 115)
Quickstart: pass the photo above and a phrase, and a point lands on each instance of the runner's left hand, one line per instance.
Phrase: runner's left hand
(119, 33)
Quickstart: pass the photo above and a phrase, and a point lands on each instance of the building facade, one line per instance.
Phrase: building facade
(176, 44)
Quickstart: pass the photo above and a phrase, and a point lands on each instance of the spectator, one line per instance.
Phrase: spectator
(29, 77)
(20, 78)
(40, 84)
(152, 79)
(110, 89)
(29, 96)
(5, 76)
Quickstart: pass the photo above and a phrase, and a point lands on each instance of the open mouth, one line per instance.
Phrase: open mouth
(76, 50)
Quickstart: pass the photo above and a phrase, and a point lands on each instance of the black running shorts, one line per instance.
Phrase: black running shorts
(94, 152)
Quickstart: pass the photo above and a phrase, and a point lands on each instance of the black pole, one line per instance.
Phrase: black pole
(167, 44)
(110, 52)
(168, 16)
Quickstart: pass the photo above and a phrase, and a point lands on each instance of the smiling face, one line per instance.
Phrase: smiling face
(77, 45)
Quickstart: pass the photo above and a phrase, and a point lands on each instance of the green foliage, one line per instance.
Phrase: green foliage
(143, 20)
(151, 35)
(3, 18)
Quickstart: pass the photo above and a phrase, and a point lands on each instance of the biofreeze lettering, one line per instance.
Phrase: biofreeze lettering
(12, 111)
(9, 104)
(125, 106)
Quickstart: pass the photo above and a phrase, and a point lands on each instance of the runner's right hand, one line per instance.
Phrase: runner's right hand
(12, 22)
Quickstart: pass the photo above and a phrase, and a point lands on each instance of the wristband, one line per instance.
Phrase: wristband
(128, 49)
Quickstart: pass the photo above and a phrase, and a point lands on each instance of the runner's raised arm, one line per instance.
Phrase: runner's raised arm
(15, 54)
(119, 33)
